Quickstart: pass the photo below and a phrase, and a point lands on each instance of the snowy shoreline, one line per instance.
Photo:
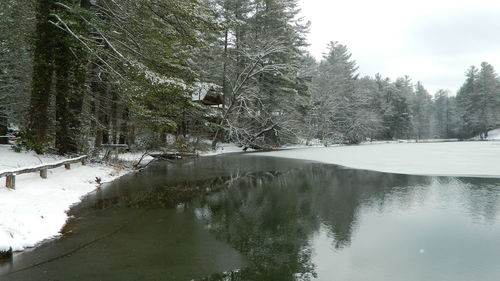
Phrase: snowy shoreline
(457, 159)
(37, 210)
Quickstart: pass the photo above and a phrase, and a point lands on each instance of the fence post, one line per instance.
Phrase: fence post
(43, 173)
(11, 181)
(67, 166)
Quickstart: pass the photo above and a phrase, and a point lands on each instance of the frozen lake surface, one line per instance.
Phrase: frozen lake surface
(463, 159)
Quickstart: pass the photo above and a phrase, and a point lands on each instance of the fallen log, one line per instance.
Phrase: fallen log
(173, 155)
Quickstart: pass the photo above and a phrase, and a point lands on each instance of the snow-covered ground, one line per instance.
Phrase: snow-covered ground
(134, 157)
(494, 134)
(475, 159)
(36, 210)
(223, 148)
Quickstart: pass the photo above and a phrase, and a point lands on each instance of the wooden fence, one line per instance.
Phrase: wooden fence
(11, 175)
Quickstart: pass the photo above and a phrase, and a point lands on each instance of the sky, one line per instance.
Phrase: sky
(432, 41)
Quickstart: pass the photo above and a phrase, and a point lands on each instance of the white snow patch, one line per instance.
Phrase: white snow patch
(494, 134)
(36, 210)
(224, 148)
(10, 160)
(475, 159)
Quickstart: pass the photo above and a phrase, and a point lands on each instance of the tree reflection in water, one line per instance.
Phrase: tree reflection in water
(270, 217)
(270, 209)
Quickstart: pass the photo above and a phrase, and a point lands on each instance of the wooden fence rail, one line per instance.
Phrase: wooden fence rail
(11, 175)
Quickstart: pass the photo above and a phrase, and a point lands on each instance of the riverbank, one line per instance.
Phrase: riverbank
(36, 210)
(462, 159)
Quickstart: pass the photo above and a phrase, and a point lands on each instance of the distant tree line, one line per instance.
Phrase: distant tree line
(76, 74)
(343, 107)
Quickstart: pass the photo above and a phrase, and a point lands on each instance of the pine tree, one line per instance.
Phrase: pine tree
(478, 101)
(345, 107)
(112, 60)
(421, 111)
(16, 27)
(465, 106)
(486, 100)
(43, 68)
(441, 116)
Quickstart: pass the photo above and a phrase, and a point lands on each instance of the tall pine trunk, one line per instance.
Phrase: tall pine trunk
(42, 75)
(70, 61)
(75, 101)
(62, 65)
(3, 129)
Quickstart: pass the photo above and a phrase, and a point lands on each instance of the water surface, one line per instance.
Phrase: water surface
(241, 217)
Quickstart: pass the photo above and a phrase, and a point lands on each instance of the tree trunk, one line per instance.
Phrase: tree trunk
(3, 129)
(42, 74)
(124, 130)
(224, 71)
(101, 89)
(62, 63)
(114, 118)
(75, 101)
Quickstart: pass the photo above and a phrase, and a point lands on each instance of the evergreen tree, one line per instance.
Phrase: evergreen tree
(336, 84)
(478, 101)
(16, 27)
(441, 116)
(465, 105)
(43, 68)
(421, 111)
(109, 58)
(346, 103)
(397, 116)
(487, 99)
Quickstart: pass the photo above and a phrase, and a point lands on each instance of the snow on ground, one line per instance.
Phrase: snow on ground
(475, 159)
(36, 210)
(10, 160)
(223, 148)
(494, 134)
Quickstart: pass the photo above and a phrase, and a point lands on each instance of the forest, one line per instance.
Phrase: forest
(189, 74)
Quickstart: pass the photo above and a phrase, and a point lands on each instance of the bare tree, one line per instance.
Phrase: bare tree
(246, 117)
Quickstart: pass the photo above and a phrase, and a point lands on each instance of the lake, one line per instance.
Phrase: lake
(244, 217)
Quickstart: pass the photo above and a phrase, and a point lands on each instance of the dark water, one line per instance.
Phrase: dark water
(244, 217)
